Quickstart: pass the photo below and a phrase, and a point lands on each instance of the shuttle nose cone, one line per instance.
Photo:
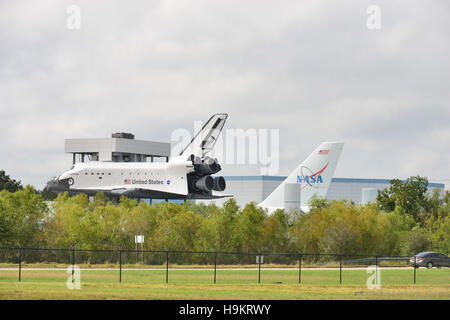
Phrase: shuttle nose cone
(57, 185)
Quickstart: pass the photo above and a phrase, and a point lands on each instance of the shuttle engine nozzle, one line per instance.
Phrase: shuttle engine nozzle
(219, 184)
(207, 166)
(205, 183)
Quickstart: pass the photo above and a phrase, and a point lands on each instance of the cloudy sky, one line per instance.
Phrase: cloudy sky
(311, 69)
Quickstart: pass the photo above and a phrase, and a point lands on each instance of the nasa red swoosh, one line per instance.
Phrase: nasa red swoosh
(319, 172)
(315, 174)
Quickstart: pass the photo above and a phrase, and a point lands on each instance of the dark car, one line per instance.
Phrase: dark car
(430, 260)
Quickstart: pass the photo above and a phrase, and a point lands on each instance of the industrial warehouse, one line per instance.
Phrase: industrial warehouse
(361, 191)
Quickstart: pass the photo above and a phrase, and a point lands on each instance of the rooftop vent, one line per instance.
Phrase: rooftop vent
(123, 135)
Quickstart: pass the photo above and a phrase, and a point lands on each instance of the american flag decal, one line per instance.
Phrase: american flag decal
(127, 181)
(325, 151)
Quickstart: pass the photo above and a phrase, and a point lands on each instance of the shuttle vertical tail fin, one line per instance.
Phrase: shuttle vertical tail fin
(314, 176)
(205, 139)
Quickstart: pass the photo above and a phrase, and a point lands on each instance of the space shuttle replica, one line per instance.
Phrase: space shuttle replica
(312, 177)
(186, 176)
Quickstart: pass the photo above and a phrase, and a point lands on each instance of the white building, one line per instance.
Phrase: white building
(121, 147)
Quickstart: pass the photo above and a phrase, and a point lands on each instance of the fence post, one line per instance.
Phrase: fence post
(376, 270)
(73, 265)
(340, 269)
(20, 264)
(215, 267)
(300, 269)
(259, 268)
(167, 266)
(120, 266)
(414, 269)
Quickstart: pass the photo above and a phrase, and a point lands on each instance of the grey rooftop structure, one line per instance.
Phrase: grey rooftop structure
(121, 147)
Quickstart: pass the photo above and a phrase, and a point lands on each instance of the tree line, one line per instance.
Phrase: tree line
(404, 220)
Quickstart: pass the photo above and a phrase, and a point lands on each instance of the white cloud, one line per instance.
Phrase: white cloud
(310, 68)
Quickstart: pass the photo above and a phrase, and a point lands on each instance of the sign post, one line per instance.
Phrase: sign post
(259, 261)
(139, 240)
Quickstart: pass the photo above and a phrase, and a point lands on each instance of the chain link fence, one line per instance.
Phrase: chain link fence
(181, 267)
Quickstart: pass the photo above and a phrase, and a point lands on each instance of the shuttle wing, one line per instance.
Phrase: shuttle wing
(152, 194)
(144, 193)
(214, 195)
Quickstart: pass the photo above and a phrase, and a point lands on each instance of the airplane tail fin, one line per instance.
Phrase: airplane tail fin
(314, 176)
(204, 141)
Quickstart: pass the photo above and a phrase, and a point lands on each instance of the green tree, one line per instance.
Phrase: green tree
(276, 232)
(317, 202)
(409, 196)
(249, 227)
(48, 195)
(344, 228)
(330, 227)
(180, 232)
(22, 214)
(224, 222)
(417, 241)
(7, 183)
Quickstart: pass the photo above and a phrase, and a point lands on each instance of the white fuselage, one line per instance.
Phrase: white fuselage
(163, 177)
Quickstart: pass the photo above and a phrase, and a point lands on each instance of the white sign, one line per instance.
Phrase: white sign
(139, 239)
(258, 258)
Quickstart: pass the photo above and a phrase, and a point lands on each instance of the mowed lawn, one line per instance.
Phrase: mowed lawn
(230, 284)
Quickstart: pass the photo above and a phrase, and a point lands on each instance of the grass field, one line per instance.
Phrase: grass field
(231, 284)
